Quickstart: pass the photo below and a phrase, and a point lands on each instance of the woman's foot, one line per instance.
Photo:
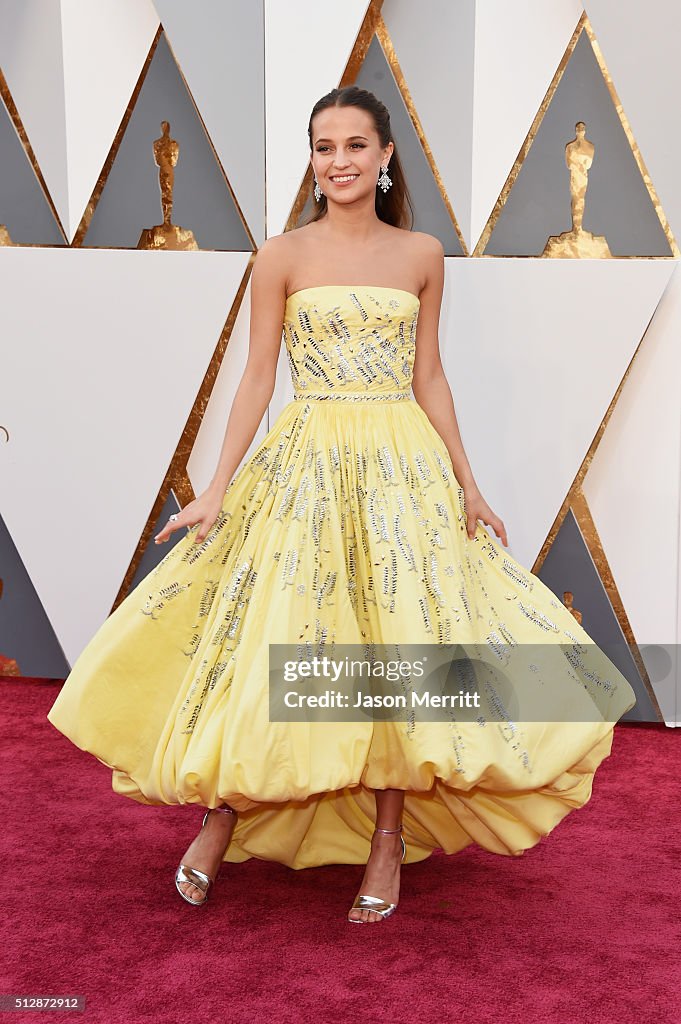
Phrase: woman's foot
(207, 850)
(381, 875)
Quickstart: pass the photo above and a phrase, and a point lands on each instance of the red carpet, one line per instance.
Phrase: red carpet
(584, 928)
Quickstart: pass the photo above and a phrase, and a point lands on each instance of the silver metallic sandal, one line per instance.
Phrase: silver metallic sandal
(378, 906)
(200, 879)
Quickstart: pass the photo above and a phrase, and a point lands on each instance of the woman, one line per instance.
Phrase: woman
(357, 520)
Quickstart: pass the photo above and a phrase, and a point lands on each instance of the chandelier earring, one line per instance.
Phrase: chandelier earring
(384, 181)
(317, 190)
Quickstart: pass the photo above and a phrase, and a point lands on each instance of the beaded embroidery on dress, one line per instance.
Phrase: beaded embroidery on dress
(347, 525)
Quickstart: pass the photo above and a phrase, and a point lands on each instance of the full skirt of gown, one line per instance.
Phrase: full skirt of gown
(346, 526)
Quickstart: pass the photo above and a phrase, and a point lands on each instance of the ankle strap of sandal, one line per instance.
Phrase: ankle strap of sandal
(389, 831)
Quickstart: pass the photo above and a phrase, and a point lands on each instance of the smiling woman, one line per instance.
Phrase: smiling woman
(356, 522)
(342, 160)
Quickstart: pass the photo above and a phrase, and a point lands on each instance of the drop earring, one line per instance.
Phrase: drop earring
(384, 181)
(317, 190)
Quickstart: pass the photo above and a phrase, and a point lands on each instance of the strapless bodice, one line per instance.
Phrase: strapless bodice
(351, 342)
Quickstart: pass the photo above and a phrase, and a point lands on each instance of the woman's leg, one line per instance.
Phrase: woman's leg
(208, 848)
(382, 873)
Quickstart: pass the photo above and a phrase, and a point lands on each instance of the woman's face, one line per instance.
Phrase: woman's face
(345, 144)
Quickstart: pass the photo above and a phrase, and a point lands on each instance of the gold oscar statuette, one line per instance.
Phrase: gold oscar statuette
(578, 243)
(166, 235)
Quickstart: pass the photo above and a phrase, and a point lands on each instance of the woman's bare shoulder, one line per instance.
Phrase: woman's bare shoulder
(283, 247)
(417, 245)
(275, 251)
(428, 256)
(276, 259)
(422, 252)
(291, 236)
(276, 243)
(426, 244)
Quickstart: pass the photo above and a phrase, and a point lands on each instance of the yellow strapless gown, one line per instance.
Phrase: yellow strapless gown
(347, 525)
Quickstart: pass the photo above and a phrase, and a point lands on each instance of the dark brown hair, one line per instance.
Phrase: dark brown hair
(394, 206)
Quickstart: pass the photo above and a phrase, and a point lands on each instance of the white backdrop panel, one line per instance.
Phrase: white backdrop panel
(633, 486)
(103, 355)
(534, 351)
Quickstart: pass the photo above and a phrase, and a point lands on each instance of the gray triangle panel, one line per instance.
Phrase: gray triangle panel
(26, 635)
(569, 567)
(24, 209)
(617, 202)
(131, 197)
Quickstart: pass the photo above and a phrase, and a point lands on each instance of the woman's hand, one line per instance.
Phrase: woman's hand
(202, 511)
(477, 508)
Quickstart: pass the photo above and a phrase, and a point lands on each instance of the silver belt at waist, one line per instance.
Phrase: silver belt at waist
(352, 396)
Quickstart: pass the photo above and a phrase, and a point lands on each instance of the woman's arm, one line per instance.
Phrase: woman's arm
(431, 387)
(268, 299)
